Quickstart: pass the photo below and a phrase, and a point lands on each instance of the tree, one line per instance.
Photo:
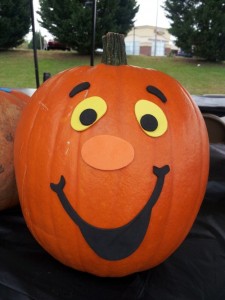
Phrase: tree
(70, 21)
(199, 26)
(15, 22)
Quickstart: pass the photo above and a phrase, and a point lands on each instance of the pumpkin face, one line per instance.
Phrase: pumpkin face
(11, 106)
(111, 165)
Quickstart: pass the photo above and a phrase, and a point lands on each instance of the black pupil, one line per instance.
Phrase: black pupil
(149, 122)
(88, 117)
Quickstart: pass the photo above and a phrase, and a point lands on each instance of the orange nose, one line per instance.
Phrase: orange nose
(107, 152)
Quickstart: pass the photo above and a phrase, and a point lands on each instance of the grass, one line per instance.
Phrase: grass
(198, 77)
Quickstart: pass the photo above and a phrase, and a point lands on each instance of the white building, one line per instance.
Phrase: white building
(149, 40)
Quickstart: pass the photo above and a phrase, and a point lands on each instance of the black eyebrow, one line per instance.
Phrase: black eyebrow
(156, 92)
(79, 88)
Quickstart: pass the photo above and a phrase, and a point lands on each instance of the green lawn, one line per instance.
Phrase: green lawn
(17, 69)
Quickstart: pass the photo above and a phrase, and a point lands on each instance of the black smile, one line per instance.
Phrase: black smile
(116, 243)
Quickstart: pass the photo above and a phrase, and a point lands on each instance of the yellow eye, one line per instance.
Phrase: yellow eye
(151, 118)
(88, 112)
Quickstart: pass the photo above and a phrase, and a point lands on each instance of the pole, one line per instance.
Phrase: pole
(41, 46)
(93, 32)
(34, 45)
(156, 28)
(134, 40)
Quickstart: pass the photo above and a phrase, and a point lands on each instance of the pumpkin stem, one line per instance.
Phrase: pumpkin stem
(114, 52)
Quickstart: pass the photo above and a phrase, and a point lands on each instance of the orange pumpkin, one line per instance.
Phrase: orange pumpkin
(11, 105)
(111, 165)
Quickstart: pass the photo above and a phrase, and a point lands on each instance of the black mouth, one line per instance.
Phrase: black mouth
(116, 243)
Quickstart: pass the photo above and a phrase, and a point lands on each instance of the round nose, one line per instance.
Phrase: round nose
(107, 152)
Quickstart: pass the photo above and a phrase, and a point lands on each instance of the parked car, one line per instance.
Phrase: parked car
(56, 45)
(184, 54)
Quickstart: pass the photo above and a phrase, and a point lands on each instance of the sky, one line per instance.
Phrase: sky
(150, 13)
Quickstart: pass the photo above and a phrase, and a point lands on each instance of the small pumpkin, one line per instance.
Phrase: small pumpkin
(12, 103)
(111, 165)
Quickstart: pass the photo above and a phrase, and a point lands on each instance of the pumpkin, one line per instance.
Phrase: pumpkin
(111, 165)
(11, 105)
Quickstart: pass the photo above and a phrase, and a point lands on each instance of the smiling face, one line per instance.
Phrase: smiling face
(110, 153)
(106, 186)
